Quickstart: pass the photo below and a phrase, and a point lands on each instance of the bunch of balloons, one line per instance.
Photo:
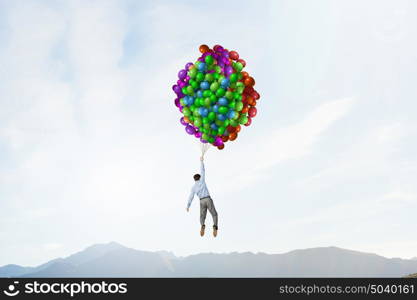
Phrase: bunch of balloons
(215, 96)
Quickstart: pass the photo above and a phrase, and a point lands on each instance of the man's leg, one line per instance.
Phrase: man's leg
(213, 213)
(203, 214)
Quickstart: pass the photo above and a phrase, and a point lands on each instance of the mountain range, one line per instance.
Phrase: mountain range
(115, 260)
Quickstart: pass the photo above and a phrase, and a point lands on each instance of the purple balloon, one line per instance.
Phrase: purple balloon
(201, 59)
(198, 134)
(225, 60)
(228, 70)
(188, 65)
(182, 84)
(177, 102)
(177, 89)
(218, 141)
(180, 108)
(182, 121)
(203, 141)
(187, 78)
(190, 129)
(182, 74)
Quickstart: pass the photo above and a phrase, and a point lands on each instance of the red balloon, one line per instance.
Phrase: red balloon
(238, 128)
(249, 121)
(255, 95)
(252, 112)
(234, 55)
(220, 147)
(242, 62)
(225, 138)
(231, 129)
(248, 90)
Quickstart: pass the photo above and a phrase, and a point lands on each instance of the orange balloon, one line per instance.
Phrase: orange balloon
(249, 81)
(225, 138)
(251, 101)
(204, 48)
(245, 74)
(233, 136)
(186, 120)
(238, 128)
(220, 147)
(245, 109)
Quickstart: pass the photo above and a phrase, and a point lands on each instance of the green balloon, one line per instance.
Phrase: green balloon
(182, 101)
(186, 111)
(221, 77)
(196, 113)
(243, 119)
(239, 106)
(207, 102)
(192, 107)
(191, 118)
(223, 110)
(240, 89)
(220, 92)
(218, 122)
(233, 77)
(237, 96)
(212, 116)
(226, 123)
(216, 76)
(209, 60)
(221, 130)
(214, 86)
(239, 84)
(229, 95)
(209, 77)
(206, 121)
(192, 73)
(199, 77)
(236, 116)
(234, 123)
(190, 90)
(197, 102)
(238, 67)
(207, 93)
(213, 99)
(217, 69)
(239, 76)
(232, 104)
(184, 90)
(194, 84)
(198, 122)
(211, 140)
(205, 136)
(214, 132)
(232, 85)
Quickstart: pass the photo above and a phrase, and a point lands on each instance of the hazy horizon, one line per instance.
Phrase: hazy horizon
(91, 148)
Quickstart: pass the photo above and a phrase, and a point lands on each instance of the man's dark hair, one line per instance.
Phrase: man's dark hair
(197, 177)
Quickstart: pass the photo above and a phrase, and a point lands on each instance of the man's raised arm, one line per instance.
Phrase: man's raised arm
(203, 171)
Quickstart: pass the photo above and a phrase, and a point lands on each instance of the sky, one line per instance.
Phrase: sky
(92, 151)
